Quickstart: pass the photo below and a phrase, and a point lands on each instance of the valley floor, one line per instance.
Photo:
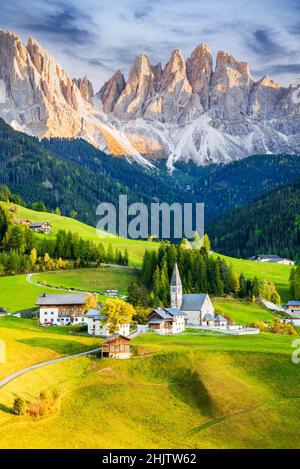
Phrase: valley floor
(193, 390)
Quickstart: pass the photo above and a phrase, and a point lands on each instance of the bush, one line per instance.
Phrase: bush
(19, 406)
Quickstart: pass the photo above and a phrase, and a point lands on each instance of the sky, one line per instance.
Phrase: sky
(97, 37)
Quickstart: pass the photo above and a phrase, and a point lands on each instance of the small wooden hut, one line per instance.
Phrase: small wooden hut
(116, 346)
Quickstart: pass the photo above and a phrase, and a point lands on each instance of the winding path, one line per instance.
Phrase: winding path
(9, 378)
(28, 279)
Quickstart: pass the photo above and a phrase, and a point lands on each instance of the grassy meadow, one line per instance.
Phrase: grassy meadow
(243, 312)
(27, 343)
(187, 391)
(95, 279)
(135, 248)
(279, 274)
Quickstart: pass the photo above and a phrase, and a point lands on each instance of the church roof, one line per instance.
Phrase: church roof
(193, 301)
(208, 317)
(219, 317)
(176, 280)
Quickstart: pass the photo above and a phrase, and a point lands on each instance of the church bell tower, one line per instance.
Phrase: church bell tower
(176, 289)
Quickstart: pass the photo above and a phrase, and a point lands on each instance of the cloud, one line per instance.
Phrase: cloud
(63, 24)
(96, 37)
(263, 44)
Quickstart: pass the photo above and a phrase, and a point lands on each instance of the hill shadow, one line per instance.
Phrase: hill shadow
(189, 388)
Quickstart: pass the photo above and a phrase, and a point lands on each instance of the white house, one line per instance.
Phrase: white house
(272, 258)
(61, 310)
(166, 321)
(99, 327)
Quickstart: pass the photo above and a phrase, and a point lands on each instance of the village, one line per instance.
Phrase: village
(187, 312)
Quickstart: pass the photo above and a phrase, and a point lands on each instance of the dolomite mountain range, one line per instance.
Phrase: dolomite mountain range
(184, 110)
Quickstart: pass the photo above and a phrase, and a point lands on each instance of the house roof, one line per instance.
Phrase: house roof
(38, 224)
(113, 337)
(175, 312)
(208, 317)
(95, 314)
(219, 317)
(54, 299)
(176, 280)
(193, 302)
(155, 321)
(293, 303)
(162, 313)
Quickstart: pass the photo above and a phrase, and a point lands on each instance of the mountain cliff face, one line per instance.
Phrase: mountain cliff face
(186, 110)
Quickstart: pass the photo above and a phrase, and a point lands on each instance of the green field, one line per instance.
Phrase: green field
(135, 248)
(95, 280)
(16, 294)
(186, 391)
(279, 274)
(243, 312)
(27, 343)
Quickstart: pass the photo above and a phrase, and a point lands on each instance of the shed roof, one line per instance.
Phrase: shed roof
(293, 303)
(114, 336)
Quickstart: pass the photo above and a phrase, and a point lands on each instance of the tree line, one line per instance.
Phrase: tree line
(200, 273)
(22, 251)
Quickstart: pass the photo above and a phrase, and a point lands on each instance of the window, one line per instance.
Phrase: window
(45, 313)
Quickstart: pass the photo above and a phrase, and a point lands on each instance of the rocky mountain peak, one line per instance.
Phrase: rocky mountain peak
(268, 82)
(111, 91)
(199, 71)
(85, 87)
(139, 87)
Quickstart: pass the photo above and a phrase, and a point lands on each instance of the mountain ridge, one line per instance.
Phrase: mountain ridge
(186, 110)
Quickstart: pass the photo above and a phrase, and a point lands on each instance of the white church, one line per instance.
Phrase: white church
(186, 310)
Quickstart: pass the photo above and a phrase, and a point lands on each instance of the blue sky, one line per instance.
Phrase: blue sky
(96, 37)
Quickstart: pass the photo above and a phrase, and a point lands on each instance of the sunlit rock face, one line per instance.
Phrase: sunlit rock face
(183, 110)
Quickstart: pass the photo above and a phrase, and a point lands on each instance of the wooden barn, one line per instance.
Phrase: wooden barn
(116, 346)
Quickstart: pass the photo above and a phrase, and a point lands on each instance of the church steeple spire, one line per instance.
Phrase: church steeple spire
(176, 289)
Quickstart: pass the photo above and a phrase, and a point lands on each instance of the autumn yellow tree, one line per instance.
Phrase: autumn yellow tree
(117, 312)
(91, 301)
(33, 256)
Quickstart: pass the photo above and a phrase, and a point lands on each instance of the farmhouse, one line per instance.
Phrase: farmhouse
(116, 346)
(41, 227)
(98, 326)
(293, 308)
(272, 258)
(112, 293)
(59, 310)
(167, 321)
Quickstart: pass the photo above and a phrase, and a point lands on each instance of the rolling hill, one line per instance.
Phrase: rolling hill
(207, 391)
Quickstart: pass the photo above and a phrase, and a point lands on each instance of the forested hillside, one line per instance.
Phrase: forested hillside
(58, 174)
(269, 224)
